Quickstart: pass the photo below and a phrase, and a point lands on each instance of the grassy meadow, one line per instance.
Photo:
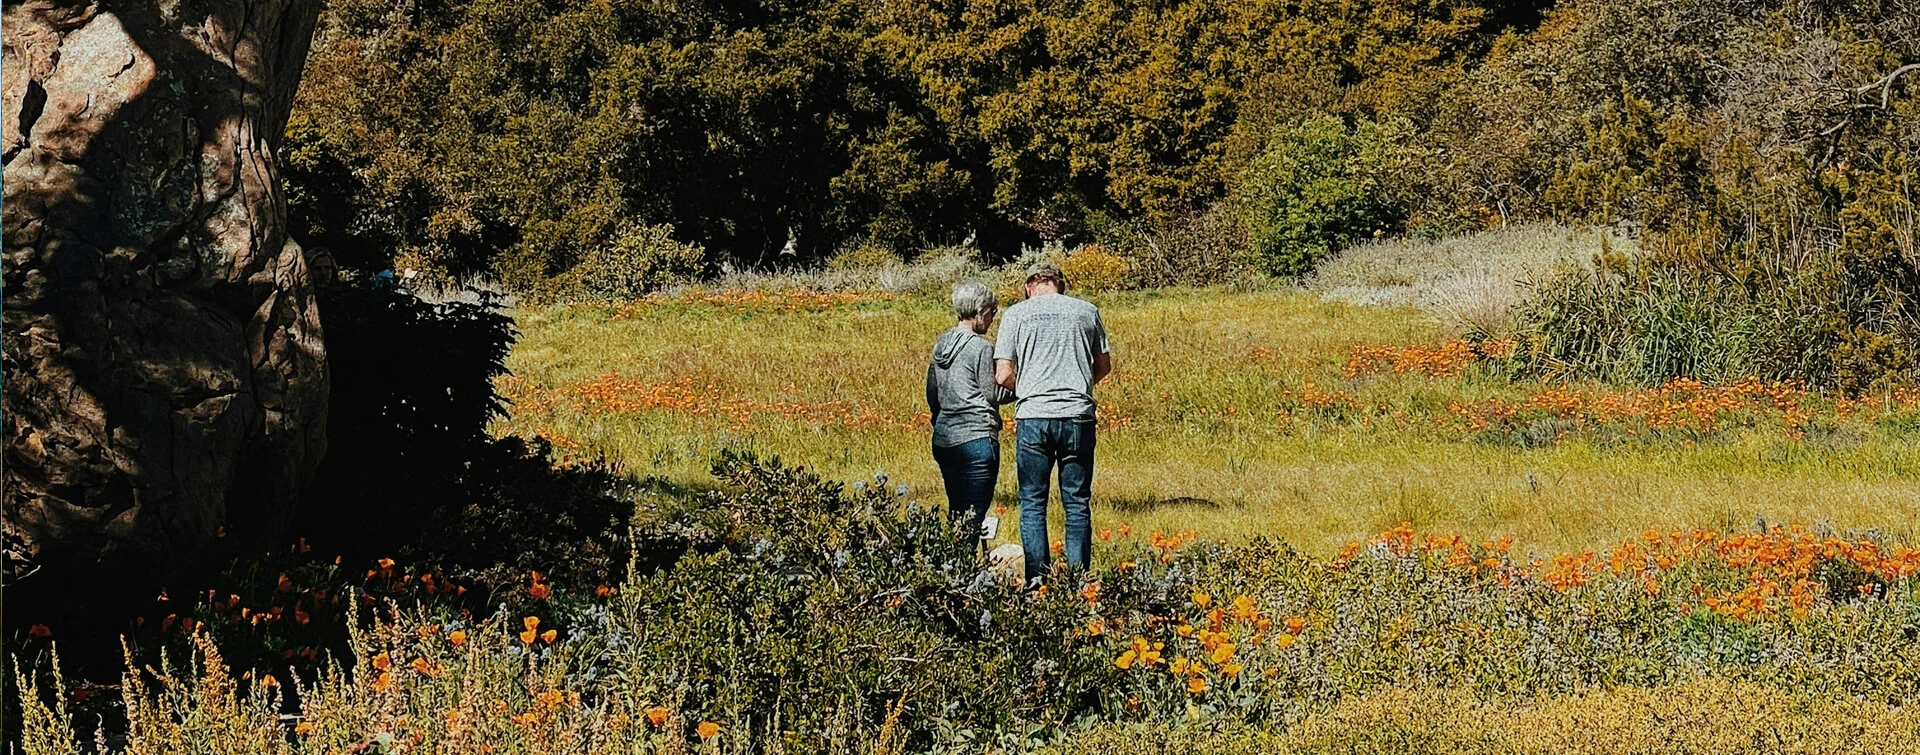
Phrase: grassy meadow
(1317, 414)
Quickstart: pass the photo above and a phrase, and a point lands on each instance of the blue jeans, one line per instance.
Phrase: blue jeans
(1043, 444)
(970, 470)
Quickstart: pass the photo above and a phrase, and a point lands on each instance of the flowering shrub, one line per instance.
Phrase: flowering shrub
(1092, 268)
(804, 616)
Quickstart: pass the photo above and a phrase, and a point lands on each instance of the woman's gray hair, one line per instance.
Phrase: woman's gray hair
(971, 299)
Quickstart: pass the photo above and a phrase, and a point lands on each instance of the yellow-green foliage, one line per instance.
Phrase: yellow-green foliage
(635, 261)
(1092, 268)
(1704, 717)
(865, 256)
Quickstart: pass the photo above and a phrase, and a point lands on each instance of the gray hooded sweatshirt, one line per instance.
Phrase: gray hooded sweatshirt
(961, 393)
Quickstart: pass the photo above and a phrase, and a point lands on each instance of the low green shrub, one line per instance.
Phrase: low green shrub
(864, 256)
(1207, 248)
(1645, 323)
(637, 261)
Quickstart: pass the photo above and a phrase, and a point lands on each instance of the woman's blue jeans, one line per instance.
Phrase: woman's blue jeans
(1043, 444)
(970, 471)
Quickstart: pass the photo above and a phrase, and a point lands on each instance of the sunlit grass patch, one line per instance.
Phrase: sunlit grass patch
(1297, 417)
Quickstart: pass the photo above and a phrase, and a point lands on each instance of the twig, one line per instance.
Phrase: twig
(1885, 85)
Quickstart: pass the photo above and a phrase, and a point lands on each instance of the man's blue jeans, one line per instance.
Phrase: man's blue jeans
(1041, 445)
(970, 471)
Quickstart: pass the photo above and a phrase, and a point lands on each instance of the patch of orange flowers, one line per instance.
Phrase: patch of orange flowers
(1784, 566)
(1450, 359)
(1681, 405)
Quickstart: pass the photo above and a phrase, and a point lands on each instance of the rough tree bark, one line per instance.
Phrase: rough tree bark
(165, 381)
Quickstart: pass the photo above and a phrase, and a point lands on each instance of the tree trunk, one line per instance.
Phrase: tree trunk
(165, 381)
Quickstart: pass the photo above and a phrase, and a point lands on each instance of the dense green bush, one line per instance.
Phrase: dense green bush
(1319, 186)
(508, 138)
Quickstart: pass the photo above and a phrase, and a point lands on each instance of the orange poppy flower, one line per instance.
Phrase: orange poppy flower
(657, 715)
(549, 636)
(1196, 685)
(382, 662)
(458, 637)
(708, 729)
(539, 591)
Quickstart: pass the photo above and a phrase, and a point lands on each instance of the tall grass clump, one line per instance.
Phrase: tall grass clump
(1648, 322)
(1471, 283)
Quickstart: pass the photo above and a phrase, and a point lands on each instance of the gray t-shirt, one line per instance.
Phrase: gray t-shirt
(1052, 340)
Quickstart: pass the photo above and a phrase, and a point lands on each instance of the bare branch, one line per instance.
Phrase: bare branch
(1885, 85)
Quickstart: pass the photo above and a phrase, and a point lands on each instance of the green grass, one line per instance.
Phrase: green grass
(1194, 412)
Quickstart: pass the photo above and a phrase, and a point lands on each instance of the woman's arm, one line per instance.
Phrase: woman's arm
(986, 372)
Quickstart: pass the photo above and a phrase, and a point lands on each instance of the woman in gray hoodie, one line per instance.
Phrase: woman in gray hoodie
(964, 400)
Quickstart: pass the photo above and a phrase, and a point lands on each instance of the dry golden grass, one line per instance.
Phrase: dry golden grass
(1204, 425)
(1707, 717)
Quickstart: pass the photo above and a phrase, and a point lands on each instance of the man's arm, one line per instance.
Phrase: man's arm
(1003, 373)
(933, 393)
(1102, 351)
(988, 376)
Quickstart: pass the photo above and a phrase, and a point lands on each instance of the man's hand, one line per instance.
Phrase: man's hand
(1003, 373)
(1102, 367)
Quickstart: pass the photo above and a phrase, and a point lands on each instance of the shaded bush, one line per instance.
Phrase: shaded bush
(412, 394)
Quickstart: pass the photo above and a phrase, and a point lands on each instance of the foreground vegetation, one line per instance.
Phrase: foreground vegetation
(1239, 413)
(799, 616)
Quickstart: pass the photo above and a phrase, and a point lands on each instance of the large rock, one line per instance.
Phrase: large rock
(164, 372)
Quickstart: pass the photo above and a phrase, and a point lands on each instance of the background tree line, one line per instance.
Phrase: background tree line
(1767, 147)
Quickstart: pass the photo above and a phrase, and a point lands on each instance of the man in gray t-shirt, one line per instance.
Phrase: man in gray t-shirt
(1051, 351)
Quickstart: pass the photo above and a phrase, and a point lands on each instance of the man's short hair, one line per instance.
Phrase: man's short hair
(1047, 271)
(971, 299)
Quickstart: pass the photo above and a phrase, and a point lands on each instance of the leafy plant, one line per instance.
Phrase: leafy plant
(1318, 187)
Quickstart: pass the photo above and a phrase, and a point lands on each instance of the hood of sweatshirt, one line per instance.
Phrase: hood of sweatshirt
(948, 347)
